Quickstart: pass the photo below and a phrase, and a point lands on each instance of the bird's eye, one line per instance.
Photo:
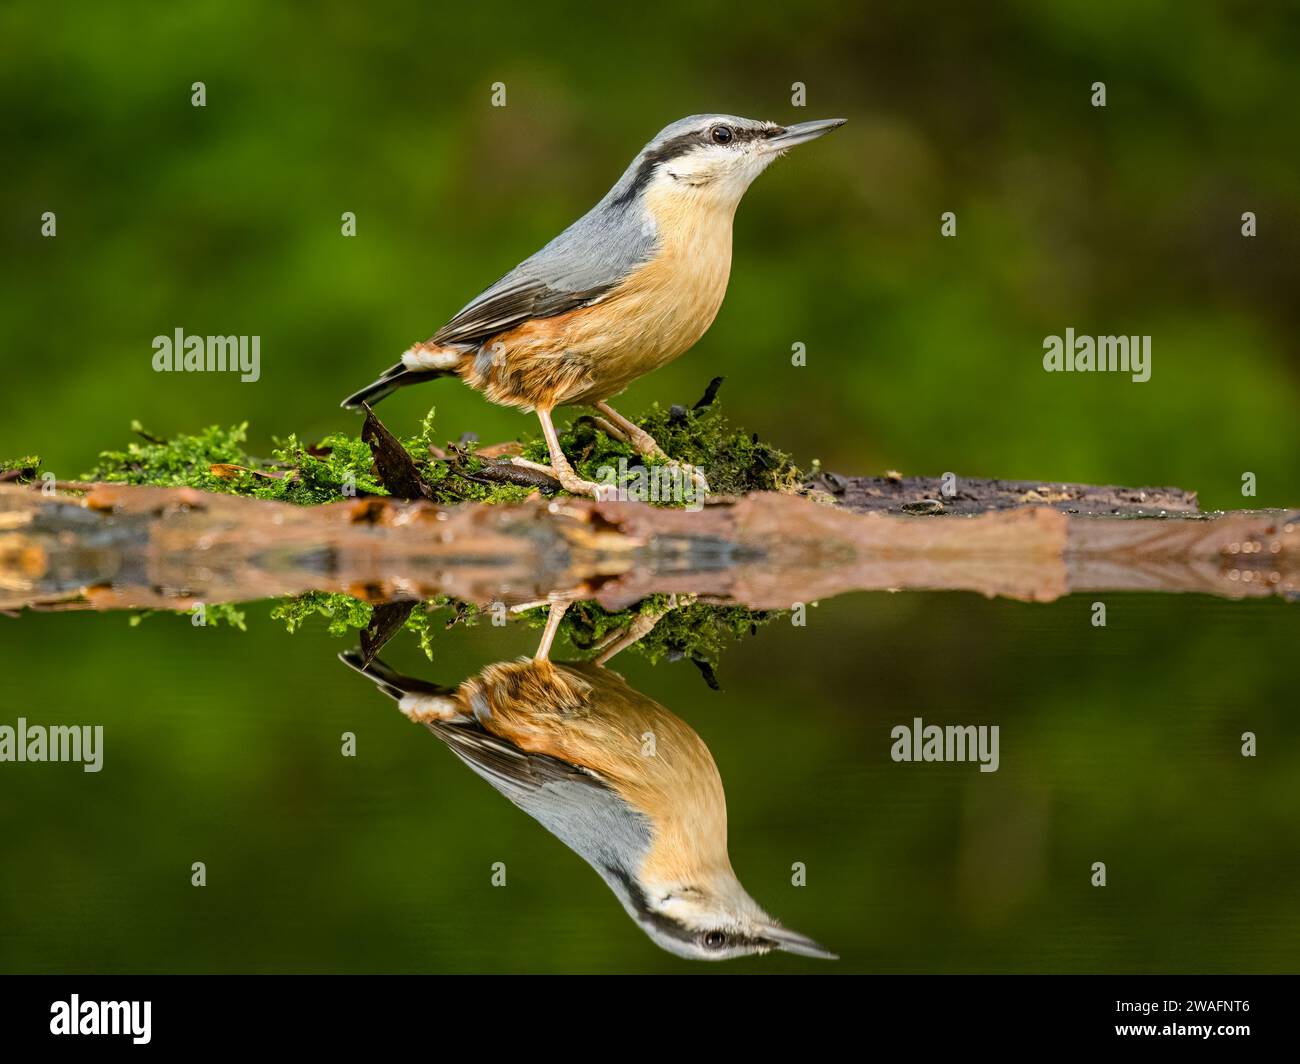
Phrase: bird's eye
(721, 134)
(715, 940)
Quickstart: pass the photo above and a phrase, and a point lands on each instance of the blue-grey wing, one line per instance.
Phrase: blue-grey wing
(574, 805)
(576, 269)
(505, 305)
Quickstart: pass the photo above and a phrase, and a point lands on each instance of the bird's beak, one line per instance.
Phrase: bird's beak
(802, 133)
(788, 941)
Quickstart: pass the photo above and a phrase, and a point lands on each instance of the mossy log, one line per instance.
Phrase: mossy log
(124, 547)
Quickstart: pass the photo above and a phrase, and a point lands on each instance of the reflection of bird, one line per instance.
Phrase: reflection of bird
(618, 779)
(627, 288)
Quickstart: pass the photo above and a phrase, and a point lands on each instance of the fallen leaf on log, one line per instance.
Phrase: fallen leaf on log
(397, 469)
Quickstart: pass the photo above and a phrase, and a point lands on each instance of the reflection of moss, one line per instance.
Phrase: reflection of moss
(343, 613)
(697, 631)
(419, 621)
(226, 613)
(214, 616)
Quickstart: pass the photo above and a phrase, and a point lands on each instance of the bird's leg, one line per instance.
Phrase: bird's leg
(609, 430)
(630, 432)
(553, 619)
(642, 624)
(646, 446)
(562, 471)
(536, 467)
(524, 607)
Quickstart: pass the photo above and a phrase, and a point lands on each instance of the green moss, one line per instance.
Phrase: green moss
(215, 460)
(183, 461)
(586, 447)
(338, 467)
(342, 466)
(734, 461)
(27, 467)
(451, 485)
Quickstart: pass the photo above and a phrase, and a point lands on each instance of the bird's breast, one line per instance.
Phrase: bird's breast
(674, 297)
(657, 312)
(650, 758)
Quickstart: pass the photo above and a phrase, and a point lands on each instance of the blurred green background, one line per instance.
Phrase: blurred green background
(924, 355)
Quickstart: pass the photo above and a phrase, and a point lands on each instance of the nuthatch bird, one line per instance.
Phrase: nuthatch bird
(627, 288)
(620, 780)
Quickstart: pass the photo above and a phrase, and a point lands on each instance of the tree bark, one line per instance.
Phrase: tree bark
(972, 495)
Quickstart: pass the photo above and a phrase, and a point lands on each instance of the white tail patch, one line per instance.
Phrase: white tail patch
(425, 708)
(421, 357)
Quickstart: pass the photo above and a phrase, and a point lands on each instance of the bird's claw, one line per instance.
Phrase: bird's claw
(600, 492)
(575, 485)
(696, 477)
(570, 481)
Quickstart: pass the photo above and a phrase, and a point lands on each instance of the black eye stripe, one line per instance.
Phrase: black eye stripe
(684, 143)
(739, 136)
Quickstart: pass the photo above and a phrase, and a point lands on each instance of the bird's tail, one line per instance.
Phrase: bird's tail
(389, 680)
(393, 378)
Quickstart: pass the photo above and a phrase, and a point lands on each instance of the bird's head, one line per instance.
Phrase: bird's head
(717, 156)
(716, 920)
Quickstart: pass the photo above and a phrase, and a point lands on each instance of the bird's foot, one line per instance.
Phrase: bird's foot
(619, 639)
(575, 485)
(627, 431)
(696, 476)
(569, 480)
(644, 444)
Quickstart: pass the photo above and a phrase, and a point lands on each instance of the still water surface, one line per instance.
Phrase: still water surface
(1120, 745)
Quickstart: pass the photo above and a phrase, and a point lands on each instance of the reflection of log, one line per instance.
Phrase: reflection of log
(970, 495)
(124, 547)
